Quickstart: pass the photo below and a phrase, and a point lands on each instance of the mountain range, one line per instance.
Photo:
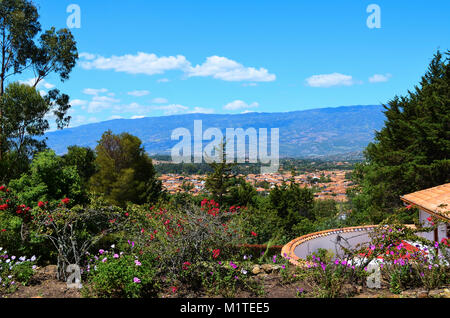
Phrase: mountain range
(309, 133)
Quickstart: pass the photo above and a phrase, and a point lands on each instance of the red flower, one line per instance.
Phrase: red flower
(186, 265)
(216, 253)
(3, 230)
(65, 201)
(409, 206)
(174, 289)
(3, 207)
(41, 204)
(254, 234)
(2, 188)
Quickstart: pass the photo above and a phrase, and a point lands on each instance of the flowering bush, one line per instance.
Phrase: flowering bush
(112, 274)
(14, 270)
(185, 235)
(15, 221)
(329, 277)
(224, 278)
(72, 232)
(407, 260)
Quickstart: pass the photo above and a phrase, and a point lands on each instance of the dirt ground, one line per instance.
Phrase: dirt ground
(45, 285)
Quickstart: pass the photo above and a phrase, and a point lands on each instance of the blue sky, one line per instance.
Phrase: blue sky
(152, 58)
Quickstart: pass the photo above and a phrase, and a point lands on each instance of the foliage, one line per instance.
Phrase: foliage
(83, 158)
(125, 172)
(22, 109)
(408, 265)
(329, 277)
(221, 179)
(14, 270)
(224, 278)
(292, 204)
(113, 274)
(74, 231)
(49, 180)
(411, 152)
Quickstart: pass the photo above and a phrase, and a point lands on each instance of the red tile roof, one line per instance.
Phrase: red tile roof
(434, 200)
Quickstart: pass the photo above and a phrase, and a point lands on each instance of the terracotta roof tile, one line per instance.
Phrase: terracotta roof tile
(435, 200)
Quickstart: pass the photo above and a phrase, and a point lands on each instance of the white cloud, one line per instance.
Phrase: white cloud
(202, 110)
(379, 78)
(139, 93)
(150, 64)
(87, 56)
(239, 104)
(42, 83)
(115, 117)
(328, 80)
(94, 91)
(229, 70)
(82, 120)
(142, 63)
(78, 102)
(172, 109)
(99, 103)
(159, 100)
(163, 80)
(137, 117)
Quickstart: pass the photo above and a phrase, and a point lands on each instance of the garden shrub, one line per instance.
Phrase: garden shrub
(14, 271)
(111, 274)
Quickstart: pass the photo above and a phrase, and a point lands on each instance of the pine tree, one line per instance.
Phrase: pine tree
(412, 151)
(221, 179)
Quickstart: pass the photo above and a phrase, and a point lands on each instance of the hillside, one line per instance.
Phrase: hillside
(308, 133)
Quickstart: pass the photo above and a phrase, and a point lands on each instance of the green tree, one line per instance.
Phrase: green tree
(125, 171)
(242, 193)
(48, 180)
(221, 179)
(53, 52)
(411, 152)
(292, 204)
(83, 158)
(23, 111)
(324, 209)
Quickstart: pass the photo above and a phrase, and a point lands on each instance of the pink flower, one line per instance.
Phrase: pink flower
(136, 280)
(104, 260)
(116, 255)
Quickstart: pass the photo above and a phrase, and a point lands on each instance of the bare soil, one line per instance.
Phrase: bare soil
(45, 285)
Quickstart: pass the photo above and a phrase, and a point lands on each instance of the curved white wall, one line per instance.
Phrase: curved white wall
(333, 242)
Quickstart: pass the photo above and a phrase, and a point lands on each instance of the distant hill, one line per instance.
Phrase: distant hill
(308, 133)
